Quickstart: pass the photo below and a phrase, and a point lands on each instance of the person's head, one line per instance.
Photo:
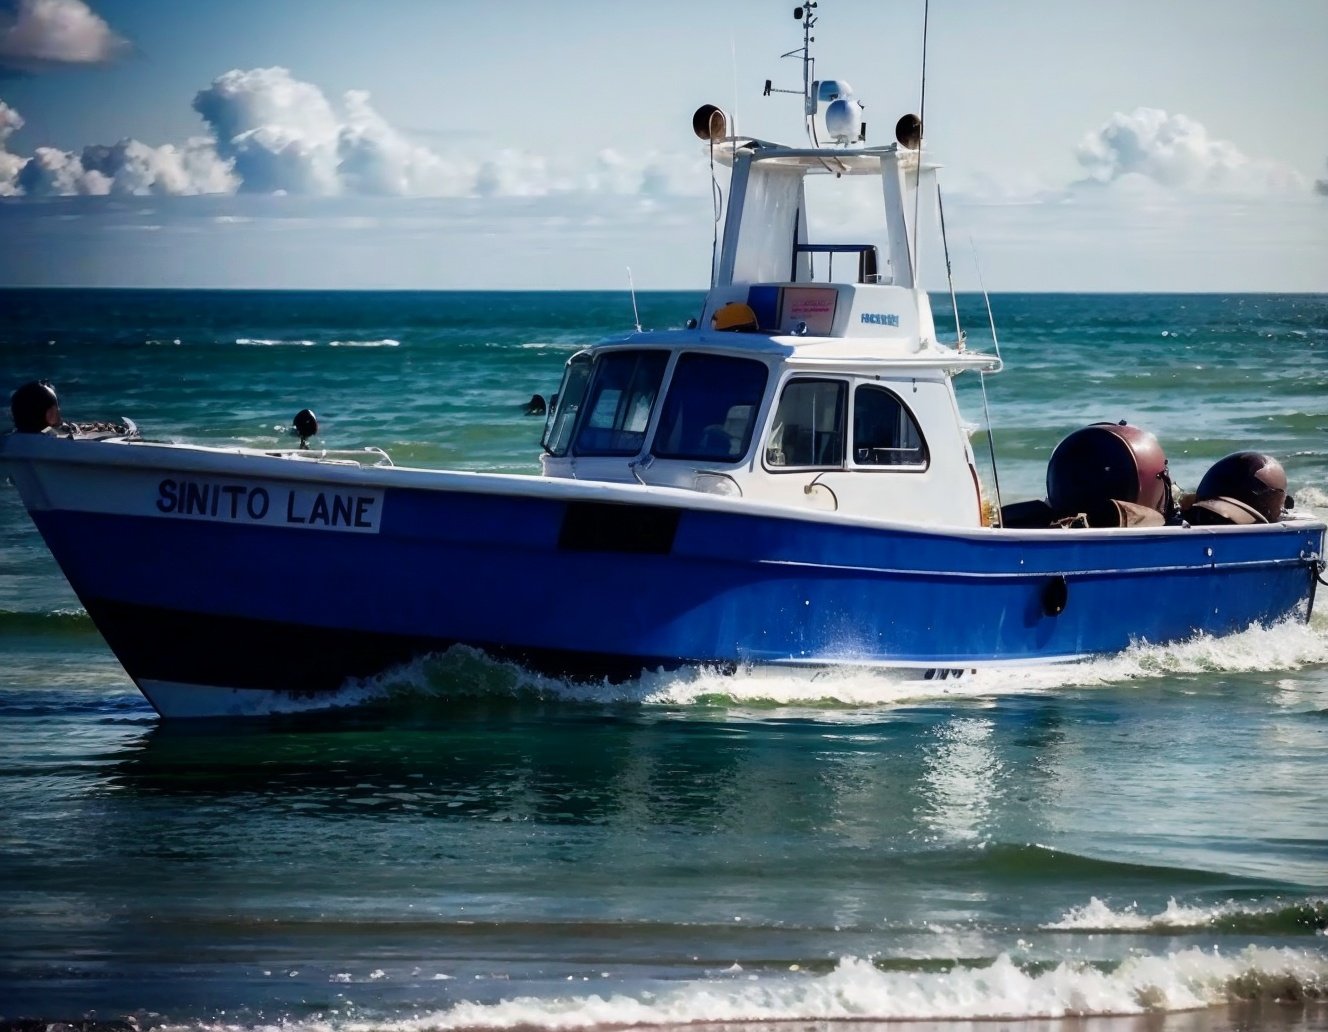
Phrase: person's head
(34, 407)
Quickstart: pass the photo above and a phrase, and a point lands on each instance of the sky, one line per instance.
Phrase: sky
(527, 144)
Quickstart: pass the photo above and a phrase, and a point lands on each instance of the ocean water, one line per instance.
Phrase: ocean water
(1138, 842)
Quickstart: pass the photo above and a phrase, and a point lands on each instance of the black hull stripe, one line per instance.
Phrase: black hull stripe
(239, 652)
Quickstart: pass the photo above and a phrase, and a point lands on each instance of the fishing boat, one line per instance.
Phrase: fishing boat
(786, 480)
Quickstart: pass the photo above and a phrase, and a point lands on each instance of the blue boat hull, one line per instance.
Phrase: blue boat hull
(605, 589)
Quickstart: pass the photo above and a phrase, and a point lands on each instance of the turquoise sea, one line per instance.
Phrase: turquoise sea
(1136, 843)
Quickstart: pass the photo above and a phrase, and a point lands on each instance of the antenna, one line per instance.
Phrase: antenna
(982, 378)
(806, 15)
(949, 273)
(636, 315)
(917, 174)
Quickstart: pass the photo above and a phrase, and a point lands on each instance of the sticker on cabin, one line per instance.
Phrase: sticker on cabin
(814, 306)
(881, 318)
(353, 510)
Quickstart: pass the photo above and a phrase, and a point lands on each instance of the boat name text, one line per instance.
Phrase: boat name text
(881, 318)
(355, 511)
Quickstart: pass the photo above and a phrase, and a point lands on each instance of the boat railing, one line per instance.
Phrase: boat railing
(334, 456)
(868, 258)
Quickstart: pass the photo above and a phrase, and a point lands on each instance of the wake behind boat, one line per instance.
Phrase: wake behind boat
(788, 480)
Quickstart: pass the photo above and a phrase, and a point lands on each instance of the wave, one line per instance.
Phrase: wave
(1275, 917)
(53, 623)
(847, 692)
(1311, 497)
(119, 704)
(858, 990)
(570, 344)
(304, 342)
(1041, 865)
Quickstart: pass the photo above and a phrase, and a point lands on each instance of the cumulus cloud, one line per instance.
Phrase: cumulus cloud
(42, 33)
(279, 132)
(1320, 186)
(10, 122)
(51, 172)
(132, 167)
(271, 133)
(373, 158)
(284, 136)
(128, 167)
(1177, 152)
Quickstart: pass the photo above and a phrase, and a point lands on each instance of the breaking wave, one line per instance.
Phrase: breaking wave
(858, 990)
(462, 673)
(837, 692)
(303, 342)
(1309, 916)
(55, 622)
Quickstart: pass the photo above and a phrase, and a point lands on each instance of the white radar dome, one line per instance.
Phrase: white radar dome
(832, 89)
(843, 120)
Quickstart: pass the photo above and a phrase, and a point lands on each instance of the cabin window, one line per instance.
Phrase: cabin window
(710, 408)
(622, 394)
(567, 403)
(808, 428)
(884, 430)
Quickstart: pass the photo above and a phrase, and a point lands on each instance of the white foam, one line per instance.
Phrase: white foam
(269, 342)
(573, 343)
(1312, 498)
(385, 342)
(1097, 916)
(857, 990)
(854, 692)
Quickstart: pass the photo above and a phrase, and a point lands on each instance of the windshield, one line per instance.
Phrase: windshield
(566, 404)
(622, 395)
(710, 409)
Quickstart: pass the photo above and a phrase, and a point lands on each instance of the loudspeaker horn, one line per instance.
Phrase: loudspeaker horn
(710, 123)
(908, 131)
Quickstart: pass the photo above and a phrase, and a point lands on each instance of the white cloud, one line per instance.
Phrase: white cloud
(285, 136)
(280, 132)
(1176, 152)
(512, 173)
(132, 167)
(45, 32)
(10, 122)
(272, 133)
(51, 172)
(373, 158)
(127, 167)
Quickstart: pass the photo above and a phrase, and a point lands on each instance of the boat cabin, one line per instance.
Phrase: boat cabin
(811, 379)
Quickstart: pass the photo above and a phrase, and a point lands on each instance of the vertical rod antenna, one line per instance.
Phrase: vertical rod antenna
(636, 314)
(982, 377)
(949, 273)
(922, 129)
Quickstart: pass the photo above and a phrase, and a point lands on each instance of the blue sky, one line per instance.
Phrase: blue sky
(522, 144)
